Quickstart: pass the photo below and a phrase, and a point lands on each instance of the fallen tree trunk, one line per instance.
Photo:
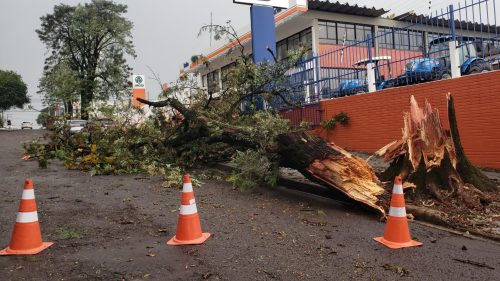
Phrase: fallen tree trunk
(333, 167)
(319, 161)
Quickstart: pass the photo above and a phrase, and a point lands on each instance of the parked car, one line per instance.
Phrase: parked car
(102, 123)
(436, 65)
(76, 126)
(26, 125)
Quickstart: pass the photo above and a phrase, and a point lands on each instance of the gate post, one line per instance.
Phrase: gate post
(370, 72)
(454, 53)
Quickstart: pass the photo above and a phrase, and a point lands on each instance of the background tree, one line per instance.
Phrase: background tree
(60, 84)
(13, 91)
(41, 119)
(91, 41)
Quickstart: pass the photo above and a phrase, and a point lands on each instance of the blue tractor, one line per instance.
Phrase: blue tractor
(358, 85)
(436, 64)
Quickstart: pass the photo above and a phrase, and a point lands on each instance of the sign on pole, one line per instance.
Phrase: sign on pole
(138, 81)
(285, 4)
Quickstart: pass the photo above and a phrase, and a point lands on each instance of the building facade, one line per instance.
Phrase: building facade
(326, 28)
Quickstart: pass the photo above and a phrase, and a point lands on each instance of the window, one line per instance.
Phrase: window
(336, 33)
(327, 32)
(346, 32)
(294, 43)
(323, 33)
(213, 81)
(400, 39)
(362, 32)
(224, 73)
(204, 80)
(385, 38)
(416, 41)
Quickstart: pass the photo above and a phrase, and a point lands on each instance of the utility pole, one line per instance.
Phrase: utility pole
(211, 26)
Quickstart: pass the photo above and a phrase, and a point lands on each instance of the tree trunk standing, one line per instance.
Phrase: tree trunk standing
(69, 107)
(432, 159)
(86, 97)
(470, 173)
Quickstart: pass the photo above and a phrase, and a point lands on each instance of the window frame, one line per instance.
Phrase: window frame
(338, 26)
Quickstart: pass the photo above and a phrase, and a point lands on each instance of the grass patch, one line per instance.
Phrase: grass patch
(69, 234)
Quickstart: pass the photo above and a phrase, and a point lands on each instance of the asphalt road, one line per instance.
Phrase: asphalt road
(115, 228)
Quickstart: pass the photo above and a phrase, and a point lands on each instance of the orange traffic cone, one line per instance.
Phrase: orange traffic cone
(26, 237)
(397, 232)
(188, 226)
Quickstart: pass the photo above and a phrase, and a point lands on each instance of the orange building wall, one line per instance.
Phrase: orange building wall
(376, 119)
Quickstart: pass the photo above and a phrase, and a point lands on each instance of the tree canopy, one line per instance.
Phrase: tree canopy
(88, 45)
(13, 91)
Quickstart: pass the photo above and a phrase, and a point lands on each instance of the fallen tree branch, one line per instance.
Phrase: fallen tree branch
(478, 264)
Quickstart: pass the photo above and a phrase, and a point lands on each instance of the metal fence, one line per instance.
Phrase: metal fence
(462, 39)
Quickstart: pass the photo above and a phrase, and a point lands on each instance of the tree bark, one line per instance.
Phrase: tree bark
(331, 166)
(69, 108)
(469, 173)
(433, 160)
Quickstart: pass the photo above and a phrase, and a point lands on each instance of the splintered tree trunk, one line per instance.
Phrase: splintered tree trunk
(433, 160)
(333, 167)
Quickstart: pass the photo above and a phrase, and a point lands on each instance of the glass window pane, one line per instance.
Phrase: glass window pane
(322, 31)
(213, 81)
(350, 32)
(306, 39)
(341, 32)
(293, 43)
(281, 49)
(362, 32)
(385, 38)
(401, 39)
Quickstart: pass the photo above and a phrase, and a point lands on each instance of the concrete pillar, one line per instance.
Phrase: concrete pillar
(315, 36)
(425, 43)
(316, 51)
(454, 59)
(370, 77)
(375, 39)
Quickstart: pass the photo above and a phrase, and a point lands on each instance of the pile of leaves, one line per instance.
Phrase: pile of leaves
(130, 146)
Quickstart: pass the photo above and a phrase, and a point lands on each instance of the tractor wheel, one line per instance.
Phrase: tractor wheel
(474, 69)
(444, 75)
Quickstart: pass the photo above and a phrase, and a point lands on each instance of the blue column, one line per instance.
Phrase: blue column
(263, 33)
(263, 38)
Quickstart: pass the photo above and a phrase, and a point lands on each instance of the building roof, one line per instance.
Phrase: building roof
(441, 22)
(346, 8)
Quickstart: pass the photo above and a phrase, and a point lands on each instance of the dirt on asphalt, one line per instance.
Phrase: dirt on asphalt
(115, 228)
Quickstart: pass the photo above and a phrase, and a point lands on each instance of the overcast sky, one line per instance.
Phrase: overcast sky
(165, 32)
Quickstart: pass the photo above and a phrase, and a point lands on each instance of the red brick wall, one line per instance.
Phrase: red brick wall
(377, 118)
